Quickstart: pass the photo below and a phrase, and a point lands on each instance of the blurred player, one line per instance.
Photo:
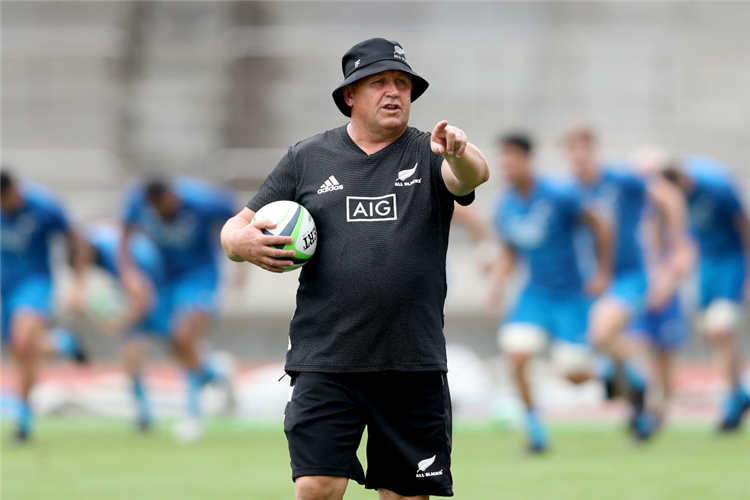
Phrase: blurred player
(664, 327)
(140, 284)
(621, 196)
(722, 230)
(537, 220)
(31, 218)
(182, 218)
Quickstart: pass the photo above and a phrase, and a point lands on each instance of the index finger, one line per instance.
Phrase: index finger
(440, 126)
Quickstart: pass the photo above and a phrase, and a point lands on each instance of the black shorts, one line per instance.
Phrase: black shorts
(408, 420)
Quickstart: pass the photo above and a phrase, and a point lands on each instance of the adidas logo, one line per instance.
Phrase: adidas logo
(331, 184)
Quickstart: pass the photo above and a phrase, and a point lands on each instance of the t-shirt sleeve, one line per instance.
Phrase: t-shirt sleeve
(730, 200)
(436, 163)
(222, 204)
(281, 184)
(633, 183)
(58, 218)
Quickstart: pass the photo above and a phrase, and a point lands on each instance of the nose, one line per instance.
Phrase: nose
(391, 89)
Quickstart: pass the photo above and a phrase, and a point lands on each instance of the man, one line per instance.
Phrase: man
(621, 195)
(722, 230)
(31, 218)
(663, 328)
(181, 218)
(537, 220)
(143, 310)
(366, 341)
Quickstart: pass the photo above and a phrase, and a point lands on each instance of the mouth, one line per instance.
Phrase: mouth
(391, 107)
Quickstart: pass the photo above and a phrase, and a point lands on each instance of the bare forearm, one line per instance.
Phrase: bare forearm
(470, 170)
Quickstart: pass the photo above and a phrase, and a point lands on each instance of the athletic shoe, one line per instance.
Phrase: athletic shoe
(737, 404)
(144, 424)
(644, 425)
(21, 435)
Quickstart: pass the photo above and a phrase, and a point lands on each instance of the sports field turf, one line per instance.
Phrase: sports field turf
(104, 460)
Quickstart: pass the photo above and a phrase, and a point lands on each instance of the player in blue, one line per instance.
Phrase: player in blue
(144, 313)
(537, 220)
(664, 327)
(183, 218)
(619, 194)
(31, 219)
(722, 230)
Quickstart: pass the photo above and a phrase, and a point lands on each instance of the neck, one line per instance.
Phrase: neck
(524, 185)
(372, 141)
(590, 175)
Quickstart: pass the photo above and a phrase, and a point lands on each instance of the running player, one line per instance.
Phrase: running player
(537, 220)
(366, 341)
(31, 218)
(182, 217)
(621, 195)
(722, 230)
(140, 284)
(663, 328)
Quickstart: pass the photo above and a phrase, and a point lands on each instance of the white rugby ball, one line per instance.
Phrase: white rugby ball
(292, 219)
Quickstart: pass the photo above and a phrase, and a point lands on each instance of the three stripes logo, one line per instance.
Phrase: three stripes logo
(331, 184)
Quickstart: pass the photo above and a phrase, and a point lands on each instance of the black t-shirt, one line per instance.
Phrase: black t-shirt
(372, 297)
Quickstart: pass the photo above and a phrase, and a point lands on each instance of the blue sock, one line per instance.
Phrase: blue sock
(209, 372)
(64, 342)
(605, 369)
(196, 380)
(535, 428)
(636, 379)
(139, 391)
(25, 417)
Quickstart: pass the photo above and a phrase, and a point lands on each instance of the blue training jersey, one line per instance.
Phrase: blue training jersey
(27, 234)
(190, 239)
(541, 228)
(713, 206)
(106, 238)
(620, 196)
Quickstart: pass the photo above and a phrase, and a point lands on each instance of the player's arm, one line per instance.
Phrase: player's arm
(243, 241)
(500, 271)
(464, 166)
(126, 261)
(602, 231)
(671, 211)
(80, 257)
(139, 292)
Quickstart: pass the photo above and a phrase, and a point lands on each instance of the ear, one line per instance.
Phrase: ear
(349, 95)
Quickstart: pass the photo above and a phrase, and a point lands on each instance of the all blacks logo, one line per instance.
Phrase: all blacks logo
(371, 209)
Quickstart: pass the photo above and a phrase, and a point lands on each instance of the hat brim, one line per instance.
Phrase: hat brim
(419, 84)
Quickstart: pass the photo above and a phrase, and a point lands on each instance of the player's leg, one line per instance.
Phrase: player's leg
(571, 352)
(26, 329)
(723, 321)
(133, 356)
(384, 494)
(320, 487)
(324, 423)
(521, 342)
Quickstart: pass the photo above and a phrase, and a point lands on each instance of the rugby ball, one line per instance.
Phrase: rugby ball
(292, 219)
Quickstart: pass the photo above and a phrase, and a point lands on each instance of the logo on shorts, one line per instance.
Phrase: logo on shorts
(331, 184)
(425, 464)
(405, 174)
(371, 209)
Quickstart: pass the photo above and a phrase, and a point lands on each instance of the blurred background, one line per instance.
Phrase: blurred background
(98, 93)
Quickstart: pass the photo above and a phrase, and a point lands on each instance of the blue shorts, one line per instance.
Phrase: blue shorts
(563, 316)
(32, 294)
(191, 292)
(666, 329)
(629, 288)
(722, 279)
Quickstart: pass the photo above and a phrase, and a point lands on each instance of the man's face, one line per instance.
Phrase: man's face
(166, 205)
(582, 155)
(514, 162)
(11, 200)
(381, 101)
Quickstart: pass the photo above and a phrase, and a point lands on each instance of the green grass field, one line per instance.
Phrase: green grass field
(101, 459)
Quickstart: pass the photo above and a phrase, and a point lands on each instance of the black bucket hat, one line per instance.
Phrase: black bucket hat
(370, 57)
